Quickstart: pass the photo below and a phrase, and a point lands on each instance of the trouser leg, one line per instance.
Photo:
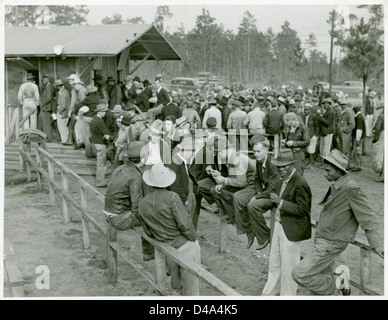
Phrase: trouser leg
(256, 210)
(315, 271)
(240, 201)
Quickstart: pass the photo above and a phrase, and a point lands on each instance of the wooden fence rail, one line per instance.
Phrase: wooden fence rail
(112, 248)
(365, 254)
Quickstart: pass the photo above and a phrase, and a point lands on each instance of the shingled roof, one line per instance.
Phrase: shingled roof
(89, 40)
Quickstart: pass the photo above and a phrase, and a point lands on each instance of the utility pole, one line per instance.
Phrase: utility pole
(331, 46)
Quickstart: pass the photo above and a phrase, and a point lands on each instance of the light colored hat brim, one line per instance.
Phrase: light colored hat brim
(167, 180)
(330, 159)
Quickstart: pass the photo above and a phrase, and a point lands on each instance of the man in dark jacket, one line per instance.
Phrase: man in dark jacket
(358, 136)
(266, 180)
(142, 100)
(312, 122)
(114, 93)
(345, 208)
(274, 124)
(165, 218)
(292, 225)
(47, 102)
(326, 119)
(100, 136)
(171, 109)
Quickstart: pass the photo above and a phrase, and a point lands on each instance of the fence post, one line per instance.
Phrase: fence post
(365, 263)
(222, 236)
(22, 160)
(38, 174)
(111, 254)
(160, 268)
(65, 189)
(85, 222)
(51, 178)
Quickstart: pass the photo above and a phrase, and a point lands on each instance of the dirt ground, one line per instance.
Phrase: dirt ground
(39, 237)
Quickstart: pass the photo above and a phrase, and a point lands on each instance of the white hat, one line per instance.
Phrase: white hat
(159, 176)
(84, 109)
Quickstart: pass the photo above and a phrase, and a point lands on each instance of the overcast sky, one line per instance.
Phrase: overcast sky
(305, 19)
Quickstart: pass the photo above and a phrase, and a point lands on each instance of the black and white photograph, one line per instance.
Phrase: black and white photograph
(173, 151)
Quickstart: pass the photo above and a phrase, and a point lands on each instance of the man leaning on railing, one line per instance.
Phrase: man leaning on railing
(345, 207)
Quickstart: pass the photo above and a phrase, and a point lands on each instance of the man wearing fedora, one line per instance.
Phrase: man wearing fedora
(114, 92)
(100, 137)
(214, 112)
(292, 226)
(28, 96)
(63, 103)
(47, 101)
(345, 208)
(102, 93)
(191, 115)
(138, 131)
(165, 218)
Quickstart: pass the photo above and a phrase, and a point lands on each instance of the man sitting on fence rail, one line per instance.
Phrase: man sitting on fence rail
(345, 207)
(165, 218)
(257, 197)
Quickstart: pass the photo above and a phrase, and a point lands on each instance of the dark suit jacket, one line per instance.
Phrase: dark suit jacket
(162, 97)
(181, 183)
(327, 122)
(171, 109)
(142, 101)
(268, 181)
(296, 208)
(313, 124)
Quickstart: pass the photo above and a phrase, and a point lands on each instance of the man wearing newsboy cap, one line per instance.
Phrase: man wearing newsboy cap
(345, 207)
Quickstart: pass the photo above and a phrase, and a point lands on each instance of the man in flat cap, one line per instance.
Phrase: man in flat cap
(345, 208)
(326, 119)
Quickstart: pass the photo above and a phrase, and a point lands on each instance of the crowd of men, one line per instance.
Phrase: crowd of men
(243, 151)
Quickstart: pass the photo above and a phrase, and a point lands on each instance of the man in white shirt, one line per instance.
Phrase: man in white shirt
(212, 112)
(255, 118)
(28, 97)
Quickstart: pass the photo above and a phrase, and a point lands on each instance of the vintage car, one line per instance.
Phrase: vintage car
(186, 84)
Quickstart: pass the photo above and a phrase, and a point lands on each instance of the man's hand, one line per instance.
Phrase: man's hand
(218, 188)
(274, 197)
(219, 179)
(289, 143)
(380, 251)
(106, 137)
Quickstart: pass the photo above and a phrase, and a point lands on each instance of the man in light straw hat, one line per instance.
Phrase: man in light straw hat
(165, 218)
(345, 207)
(292, 225)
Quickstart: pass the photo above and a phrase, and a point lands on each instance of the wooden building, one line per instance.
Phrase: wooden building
(87, 50)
